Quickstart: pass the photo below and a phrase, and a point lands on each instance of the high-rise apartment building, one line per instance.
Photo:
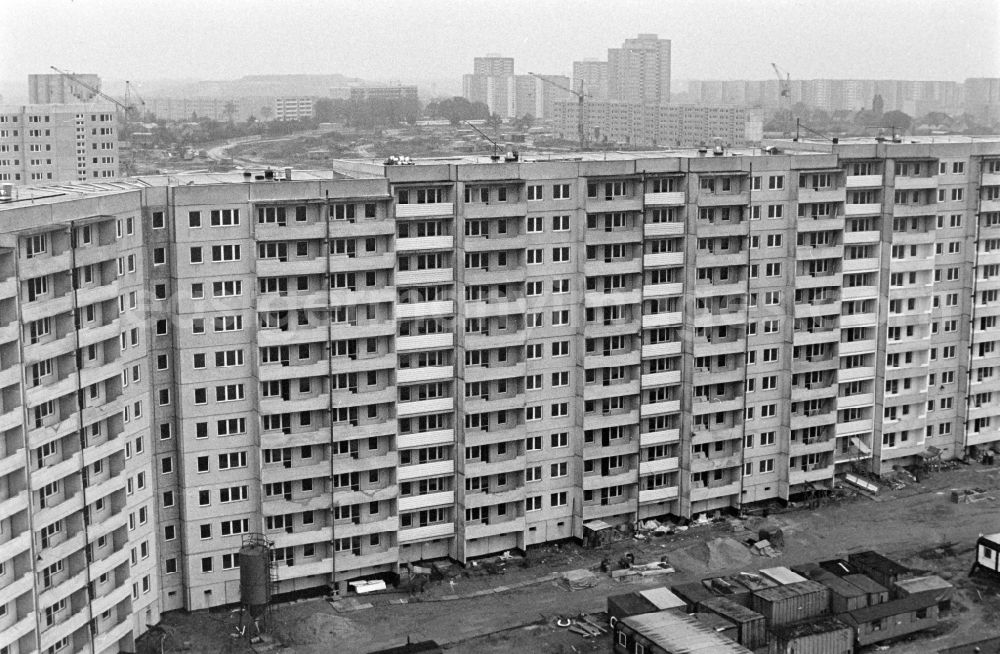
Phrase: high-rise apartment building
(593, 74)
(395, 363)
(43, 143)
(493, 66)
(639, 71)
(60, 89)
(492, 82)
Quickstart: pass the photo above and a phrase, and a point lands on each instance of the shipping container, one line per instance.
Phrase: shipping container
(807, 570)
(782, 576)
(883, 570)
(663, 599)
(892, 619)
(670, 632)
(844, 596)
(752, 628)
(622, 606)
(792, 603)
(839, 567)
(729, 587)
(825, 636)
(932, 585)
(877, 593)
(719, 625)
(692, 593)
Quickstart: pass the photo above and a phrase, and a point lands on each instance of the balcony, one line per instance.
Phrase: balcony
(704, 464)
(600, 421)
(611, 358)
(430, 532)
(427, 209)
(425, 309)
(613, 266)
(701, 493)
(494, 339)
(658, 495)
(614, 297)
(858, 400)
(811, 474)
(659, 408)
(659, 465)
(623, 476)
(494, 528)
(663, 259)
(424, 341)
(436, 405)
(661, 349)
(426, 373)
(662, 290)
(666, 319)
(864, 181)
(415, 502)
(661, 378)
(493, 371)
(664, 229)
(872, 209)
(865, 236)
(854, 374)
(494, 209)
(858, 292)
(820, 195)
(609, 203)
(417, 243)
(419, 470)
(421, 277)
(662, 437)
(346, 561)
(916, 209)
(425, 439)
(901, 182)
(668, 199)
(494, 242)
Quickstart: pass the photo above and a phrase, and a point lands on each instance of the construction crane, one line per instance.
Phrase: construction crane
(127, 107)
(497, 148)
(580, 95)
(784, 96)
(129, 110)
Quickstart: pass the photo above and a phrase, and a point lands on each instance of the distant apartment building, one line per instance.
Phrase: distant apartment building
(639, 71)
(236, 109)
(43, 143)
(537, 97)
(492, 82)
(916, 98)
(393, 93)
(294, 108)
(387, 364)
(982, 97)
(60, 89)
(593, 74)
(634, 124)
(220, 109)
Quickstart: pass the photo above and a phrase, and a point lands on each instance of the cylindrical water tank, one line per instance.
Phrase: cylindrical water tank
(255, 583)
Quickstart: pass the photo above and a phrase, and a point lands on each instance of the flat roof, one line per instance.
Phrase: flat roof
(887, 609)
(678, 633)
(800, 629)
(663, 598)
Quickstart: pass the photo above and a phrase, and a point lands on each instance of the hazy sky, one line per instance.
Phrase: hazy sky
(436, 39)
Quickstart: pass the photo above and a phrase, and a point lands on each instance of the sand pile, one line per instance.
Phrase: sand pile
(324, 628)
(717, 554)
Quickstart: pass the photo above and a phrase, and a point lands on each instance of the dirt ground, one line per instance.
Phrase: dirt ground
(918, 525)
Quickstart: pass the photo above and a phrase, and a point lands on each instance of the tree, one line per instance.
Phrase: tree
(230, 111)
(457, 109)
(897, 119)
(524, 122)
(323, 110)
(266, 112)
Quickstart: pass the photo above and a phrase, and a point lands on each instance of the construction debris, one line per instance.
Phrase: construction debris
(970, 495)
(578, 579)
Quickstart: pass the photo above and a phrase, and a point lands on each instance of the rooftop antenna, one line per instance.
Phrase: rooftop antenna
(799, 125)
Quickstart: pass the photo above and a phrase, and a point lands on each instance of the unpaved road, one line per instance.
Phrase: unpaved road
(900, 524)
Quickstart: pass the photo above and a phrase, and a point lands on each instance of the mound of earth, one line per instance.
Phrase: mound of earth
(716, 554)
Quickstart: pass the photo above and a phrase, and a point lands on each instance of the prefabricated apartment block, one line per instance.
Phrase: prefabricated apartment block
(393, 363)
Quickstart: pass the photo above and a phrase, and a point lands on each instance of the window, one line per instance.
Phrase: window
(533, 503)
(558, 499)
(775, 182)
(194, 219)
(560, 223)
(560, 439)
(766, 465)
(535, 192)
(559, 192)
(534, 224)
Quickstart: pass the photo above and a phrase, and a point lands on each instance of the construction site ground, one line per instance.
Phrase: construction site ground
(516, 611)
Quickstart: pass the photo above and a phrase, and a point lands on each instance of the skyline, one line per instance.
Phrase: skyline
(227, 44)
